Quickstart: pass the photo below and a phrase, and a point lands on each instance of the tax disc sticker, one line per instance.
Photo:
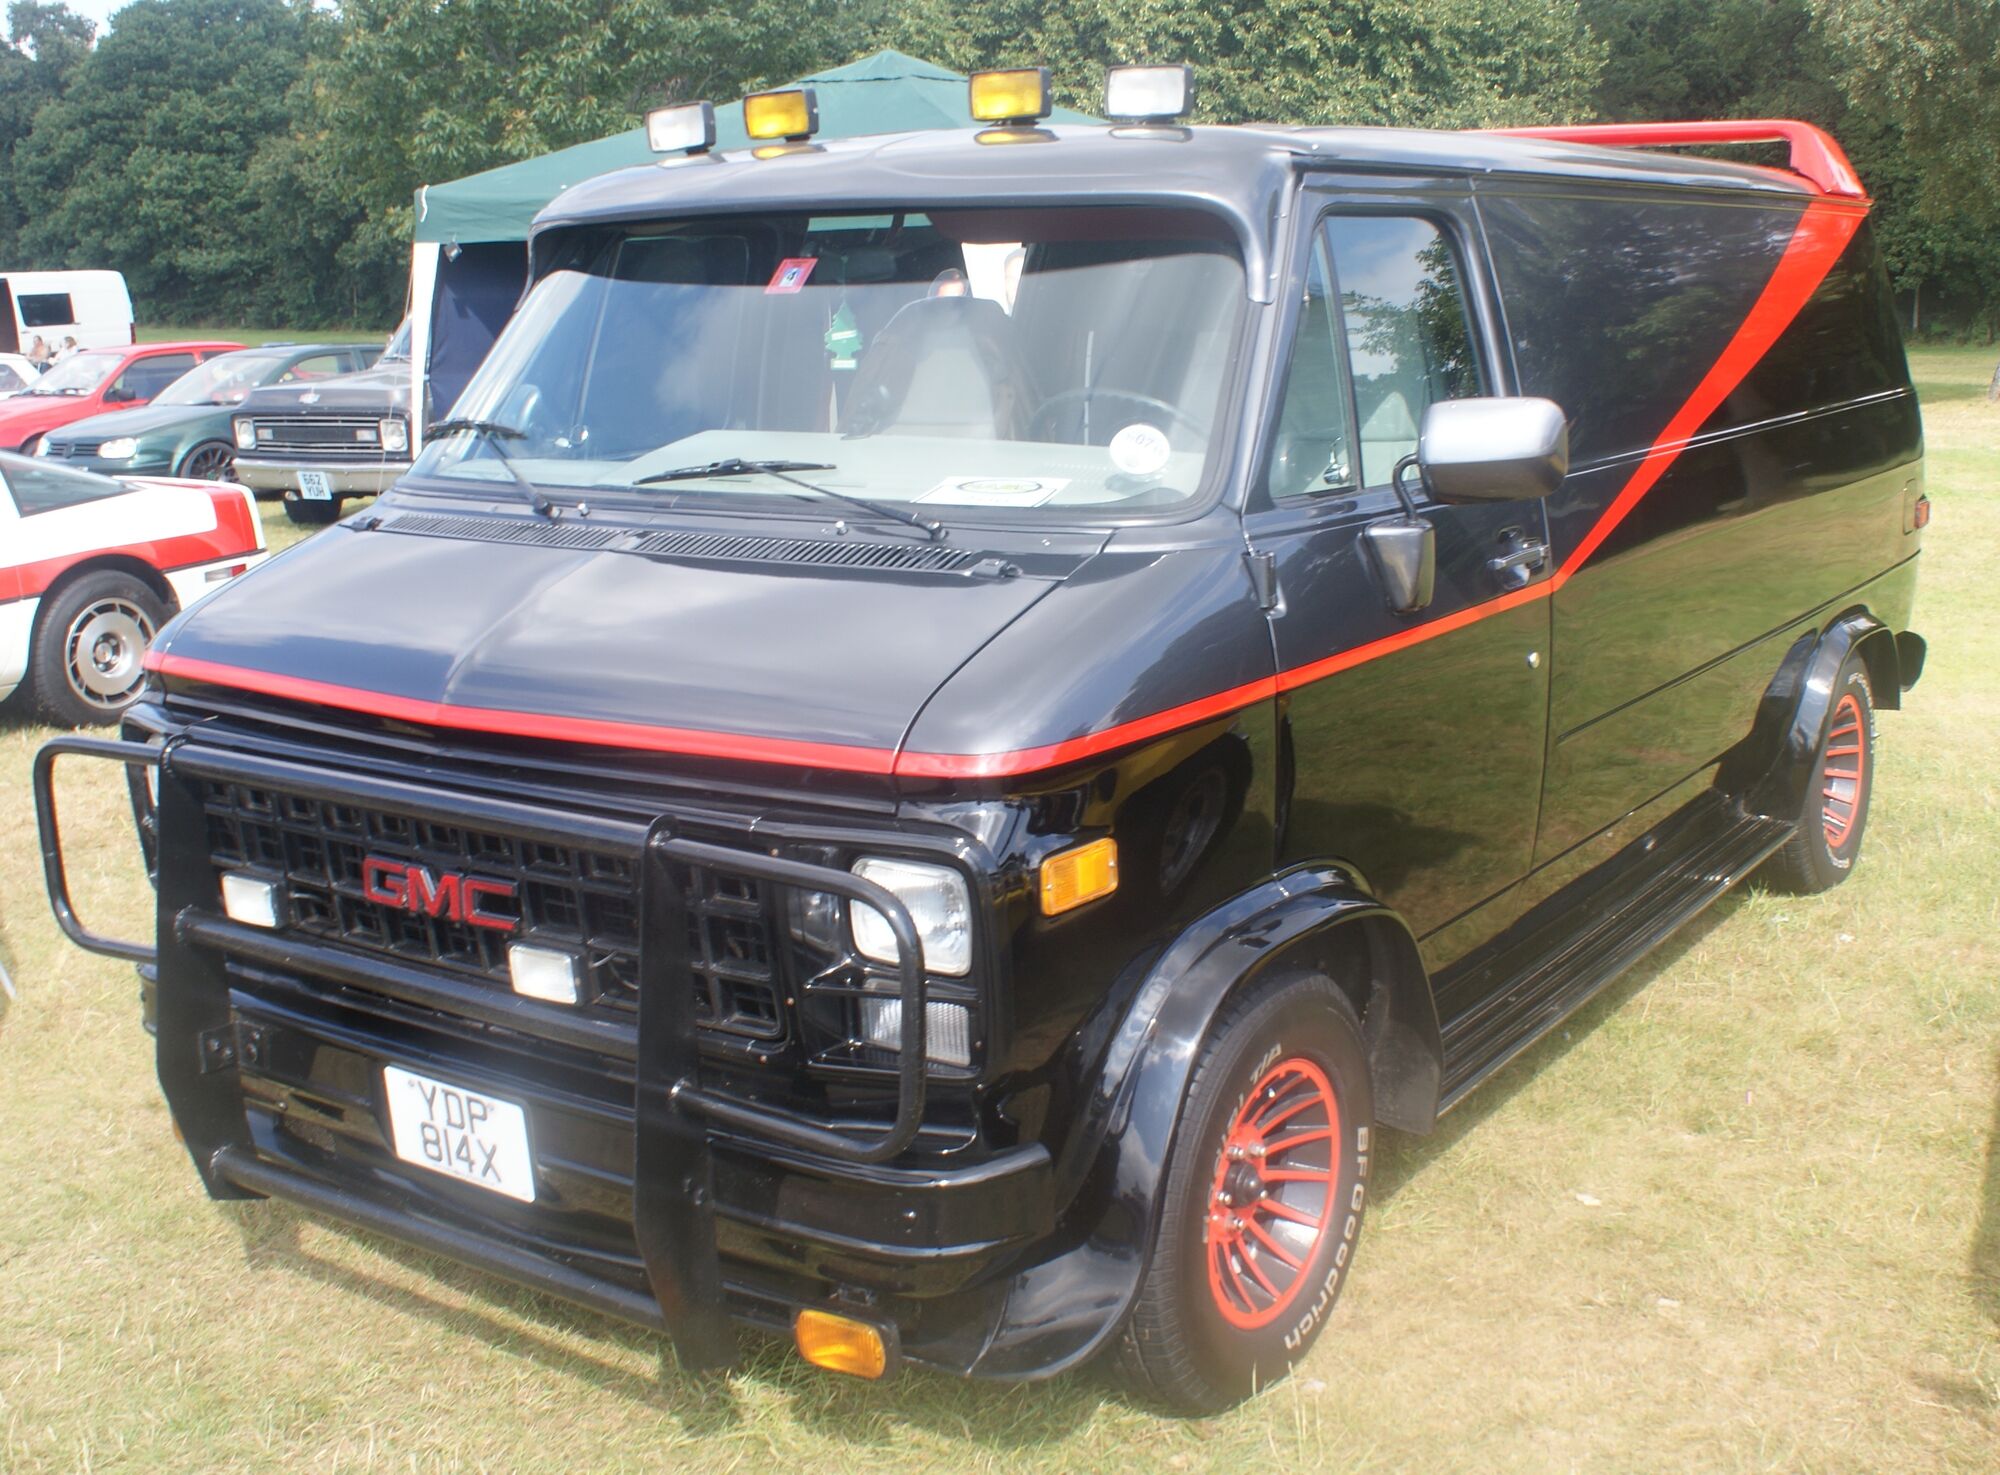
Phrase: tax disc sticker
(1140, 449)
(996, 491)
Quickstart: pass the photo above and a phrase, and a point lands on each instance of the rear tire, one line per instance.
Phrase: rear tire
(89, 641)
(311, 514)
(1834, 813)
(1263, 1199)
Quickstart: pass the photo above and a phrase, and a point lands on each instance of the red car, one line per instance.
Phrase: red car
(93, 382)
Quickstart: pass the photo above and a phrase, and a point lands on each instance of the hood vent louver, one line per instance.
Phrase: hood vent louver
(531, 532)
(841, 553)
(812, 552)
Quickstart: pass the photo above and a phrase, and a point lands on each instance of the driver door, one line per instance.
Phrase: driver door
(1415, 740)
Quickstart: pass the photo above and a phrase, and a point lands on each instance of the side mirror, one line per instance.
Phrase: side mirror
(116, 396)
(1493, 450)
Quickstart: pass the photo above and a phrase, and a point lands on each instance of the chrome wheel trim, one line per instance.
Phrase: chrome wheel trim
(104, 649)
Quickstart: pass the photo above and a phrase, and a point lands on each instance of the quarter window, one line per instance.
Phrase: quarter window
(1313, 451)
(1409, 341)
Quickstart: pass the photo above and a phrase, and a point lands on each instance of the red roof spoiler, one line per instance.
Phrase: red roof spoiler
(1814, 153)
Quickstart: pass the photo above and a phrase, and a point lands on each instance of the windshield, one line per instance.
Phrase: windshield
(79, 374)
(399, 344)
(222, 381)
(996, 360)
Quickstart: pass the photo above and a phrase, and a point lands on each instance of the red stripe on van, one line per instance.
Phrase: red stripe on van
(1817, 241)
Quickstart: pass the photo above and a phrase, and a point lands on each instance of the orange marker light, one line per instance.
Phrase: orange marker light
(793, 113)
(840, 1344)
(1077, 876)
(1018, 96)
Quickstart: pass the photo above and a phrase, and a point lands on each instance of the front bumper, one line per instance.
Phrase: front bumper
(654, 1203)
(272, 474)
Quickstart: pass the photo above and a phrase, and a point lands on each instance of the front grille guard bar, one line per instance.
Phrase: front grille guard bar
(664, 939)
(54, 874)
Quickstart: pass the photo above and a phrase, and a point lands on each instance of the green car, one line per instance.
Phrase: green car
(184, 431)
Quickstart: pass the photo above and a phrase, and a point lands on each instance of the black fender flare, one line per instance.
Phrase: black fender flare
(1056, 1314)
(1794, 710)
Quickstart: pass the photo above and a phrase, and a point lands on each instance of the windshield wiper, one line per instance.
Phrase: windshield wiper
(496, 435)
(737, 466)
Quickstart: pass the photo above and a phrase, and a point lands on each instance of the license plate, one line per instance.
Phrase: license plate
(315, 486)
(463, 1134)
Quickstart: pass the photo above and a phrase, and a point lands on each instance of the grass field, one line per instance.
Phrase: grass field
(1742, 1214)
(253, 336)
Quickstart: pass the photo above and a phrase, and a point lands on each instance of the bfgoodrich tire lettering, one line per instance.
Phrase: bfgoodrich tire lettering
(1834, 814)
(1263, 1200)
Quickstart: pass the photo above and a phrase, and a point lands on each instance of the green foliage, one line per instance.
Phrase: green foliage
(1423, 63)
(141, 163)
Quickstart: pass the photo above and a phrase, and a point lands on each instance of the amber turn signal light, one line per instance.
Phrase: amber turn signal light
(1074, 877)
(840, 1344)
(793, 113)
(1017, 96)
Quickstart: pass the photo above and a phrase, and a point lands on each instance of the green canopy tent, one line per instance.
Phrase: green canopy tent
(469, 259)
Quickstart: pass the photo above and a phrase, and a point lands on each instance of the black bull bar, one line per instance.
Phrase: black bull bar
(672, 1208)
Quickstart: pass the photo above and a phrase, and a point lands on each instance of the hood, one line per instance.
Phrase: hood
(386, 386)
(775, 660)
(141, 420)
(22, 415)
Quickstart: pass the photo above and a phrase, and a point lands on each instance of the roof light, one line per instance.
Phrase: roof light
(1148, 94)
(685, 128)
(1017, 96)
(793, 113)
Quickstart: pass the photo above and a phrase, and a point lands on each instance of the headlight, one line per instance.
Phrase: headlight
(124, 448)
(246, 435)
(42, 446)
(395, 435)
(938, 904)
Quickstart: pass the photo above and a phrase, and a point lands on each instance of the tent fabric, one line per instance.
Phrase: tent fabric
(888, 92)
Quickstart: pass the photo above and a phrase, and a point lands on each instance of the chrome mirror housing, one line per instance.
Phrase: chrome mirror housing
(1493, 449)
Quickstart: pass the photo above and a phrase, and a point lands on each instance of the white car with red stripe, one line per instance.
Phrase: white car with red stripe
(92, 567)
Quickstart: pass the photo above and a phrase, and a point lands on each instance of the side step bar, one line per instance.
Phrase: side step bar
(1702, 864)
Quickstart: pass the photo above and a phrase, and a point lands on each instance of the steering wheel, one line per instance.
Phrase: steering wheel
(1147, 401)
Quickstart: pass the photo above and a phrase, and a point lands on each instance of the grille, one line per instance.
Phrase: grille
(355, 436)
(74, 450)
(564, 896)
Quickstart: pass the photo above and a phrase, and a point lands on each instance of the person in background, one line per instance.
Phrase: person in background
(69, 346)
(38, 351)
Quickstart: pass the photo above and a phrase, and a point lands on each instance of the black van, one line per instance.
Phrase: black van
(955, 720)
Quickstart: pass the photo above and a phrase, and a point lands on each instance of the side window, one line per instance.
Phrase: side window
(316, 367)
(1408, 337)
(40, 488)
(147, 377)
(1313, 452)
(46, 310)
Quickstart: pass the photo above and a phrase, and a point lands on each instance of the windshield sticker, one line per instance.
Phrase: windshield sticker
(791, 275)
(995, 491)
(1140, 449)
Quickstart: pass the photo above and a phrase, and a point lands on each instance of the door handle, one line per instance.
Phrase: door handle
(1518, 564)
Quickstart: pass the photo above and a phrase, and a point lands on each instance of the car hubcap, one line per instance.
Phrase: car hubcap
(1272, 1197)
(1845, 773)
(106, 644)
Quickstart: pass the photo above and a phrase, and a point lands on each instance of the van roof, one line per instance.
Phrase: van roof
(1240, 171)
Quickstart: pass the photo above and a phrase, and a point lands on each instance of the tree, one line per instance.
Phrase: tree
(1429, 63)
(142, 163)
(45, 43)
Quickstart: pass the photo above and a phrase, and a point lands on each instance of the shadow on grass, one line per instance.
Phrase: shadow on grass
(1986, 1237)
(1404, 1157)
(857, 1412)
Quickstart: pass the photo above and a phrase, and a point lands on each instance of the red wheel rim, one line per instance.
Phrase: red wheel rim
(1845, 772)
(1272, 1197)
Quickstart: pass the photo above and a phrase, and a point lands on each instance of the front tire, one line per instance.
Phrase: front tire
(1263, 1199)
(1833, 815)
(89, 645)
(212, 460)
